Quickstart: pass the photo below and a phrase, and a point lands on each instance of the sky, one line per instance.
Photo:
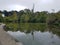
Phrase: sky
(40, 5)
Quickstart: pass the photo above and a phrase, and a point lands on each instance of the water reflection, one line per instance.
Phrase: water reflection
(36, 38)
(31, 27)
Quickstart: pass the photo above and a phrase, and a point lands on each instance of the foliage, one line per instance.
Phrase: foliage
(11, 27)
(27, 20)
(1, 18)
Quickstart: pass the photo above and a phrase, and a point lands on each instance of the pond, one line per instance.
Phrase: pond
(36, 38)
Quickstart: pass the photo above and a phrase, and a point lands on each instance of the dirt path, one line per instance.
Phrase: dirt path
(6, 39)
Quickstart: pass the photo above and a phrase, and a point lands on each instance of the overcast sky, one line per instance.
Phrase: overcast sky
(40, 5)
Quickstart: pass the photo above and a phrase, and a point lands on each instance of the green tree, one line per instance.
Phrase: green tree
(1, 18)
(14, 17)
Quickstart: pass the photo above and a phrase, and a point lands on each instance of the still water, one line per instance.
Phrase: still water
(38, 38)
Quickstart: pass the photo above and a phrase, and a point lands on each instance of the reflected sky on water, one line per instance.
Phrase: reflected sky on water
(38, 38)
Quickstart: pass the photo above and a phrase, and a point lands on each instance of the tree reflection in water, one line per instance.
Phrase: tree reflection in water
(31, 27)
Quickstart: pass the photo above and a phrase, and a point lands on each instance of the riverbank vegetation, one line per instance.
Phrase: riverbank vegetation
(26, 20)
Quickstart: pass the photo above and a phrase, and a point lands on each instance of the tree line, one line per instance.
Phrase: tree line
(28, 16)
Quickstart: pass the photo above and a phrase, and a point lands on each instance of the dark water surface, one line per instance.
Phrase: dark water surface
(38, 38)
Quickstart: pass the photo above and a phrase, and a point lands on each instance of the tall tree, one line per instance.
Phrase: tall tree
(14, 17)
(1, 18)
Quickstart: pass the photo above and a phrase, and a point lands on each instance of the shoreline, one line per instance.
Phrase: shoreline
(5, 38)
